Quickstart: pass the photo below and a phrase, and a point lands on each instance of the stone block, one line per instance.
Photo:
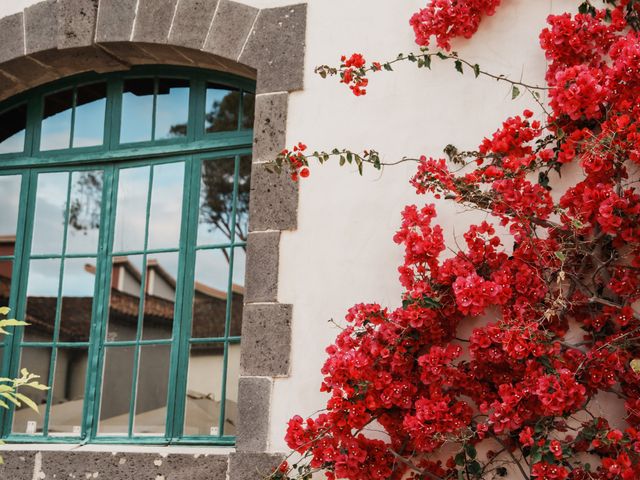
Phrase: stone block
(129, 53)
(191, 22)
(115, 20)
(11, 37)
(76, 22)
(276, 47)
(165, 54)
(254, 399)
(17, 465)
(270, 126)
(252, 466)
(261, 272)
(8, 87)
(131, 466)
(274, 201)
(231, 26)
(77, 60)
(41, 26)
(29, 72)
(153, 20)
(266, 340)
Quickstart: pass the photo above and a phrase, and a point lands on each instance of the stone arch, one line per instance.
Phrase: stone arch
(54, 39)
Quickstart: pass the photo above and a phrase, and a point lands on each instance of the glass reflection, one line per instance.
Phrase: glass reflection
(137, 110)
(210, 295)
(172, 108)
(77, 299)
(25, 420)
(42, 299)
(6, 272)
(65, 414)
(10, 188)
(124, 302)
(237, 289)
(84, 212)
(204, 389)
(131, 213)
(216, 201)
(51, 205)
(223, 107)
(166, 205)
(231, 390)
(248, 109)
(116, 391)
(160, 296)
(88, 129)
(242, 201)
(13, 124)
(56, 121)
(153, 380)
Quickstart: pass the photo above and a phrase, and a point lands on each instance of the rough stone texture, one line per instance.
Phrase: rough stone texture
(76, 22)
(261, 277)
(128, 53)
(131, 466)
(153, 20)
(17, 465)
(77, 60)
(41, 26)
(28, 72)
(276, 47)
(8, 87)
(230, 29)
(270, 126)
(191, 23)
(252, 466)
(274, 201)
(115, 20)
(11, 37)
(254, 398)
(266, 340)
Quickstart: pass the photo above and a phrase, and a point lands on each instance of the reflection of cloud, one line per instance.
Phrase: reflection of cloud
(48, 228)
(166, 205)
(10, 188)
(78, 282)
(172, 109)
(43, 278)
(131, 210)
(13, 144)
(212, 268)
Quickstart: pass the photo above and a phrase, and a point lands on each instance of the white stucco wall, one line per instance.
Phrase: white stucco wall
(342, 252)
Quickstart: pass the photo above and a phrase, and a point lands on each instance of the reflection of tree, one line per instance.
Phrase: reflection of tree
(216, 197)
(221, 117)
(84, 210)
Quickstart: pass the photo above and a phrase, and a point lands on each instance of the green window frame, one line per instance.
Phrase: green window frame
(200, 157)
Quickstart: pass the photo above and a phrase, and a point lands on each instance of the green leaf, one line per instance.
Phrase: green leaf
(458, 65)
(476, 70)
(387, 67)
(10, 322)
(427, 61)
(515, 91)
(460, 459)
(560, 255)
(441, 56)
(27, 401)
(635, 365)
(4, 310)
(474, 468)
(471, 451)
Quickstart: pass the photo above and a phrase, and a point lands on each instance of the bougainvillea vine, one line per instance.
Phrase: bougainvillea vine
(514, 398)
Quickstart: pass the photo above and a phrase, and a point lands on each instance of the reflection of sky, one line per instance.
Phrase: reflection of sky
(10, 188)
(132, 209)
(49, 215)
(166, 205)
(77, 281)
(84, 240)
(136, 118)
(172, 109)
(43, 278)
(212, 268)
(56, 131)
(13, 144)
(215, 97)
(88, 129)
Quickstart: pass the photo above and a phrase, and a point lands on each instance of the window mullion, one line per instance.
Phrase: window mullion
(91, 410)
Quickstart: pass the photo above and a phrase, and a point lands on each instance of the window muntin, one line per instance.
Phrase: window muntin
(140, 217)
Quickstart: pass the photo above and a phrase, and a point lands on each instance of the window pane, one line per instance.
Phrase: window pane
(42, 299)
(160, 296)
(222, 108)
(65, 415)
(10, 188)
(84, 212)
(166, 205)
(204, 389)
(6, 273)
(25, 420)
(13, 124)
(56, 121)
(242, 205)
(88, 129)
(77, 299)
(153, 380)
(172, 109)
(51, 205)
(137, 110)
(239, 261)
(248, 107)
(210, 296)
(124, 303)
(231, 390)
(216, 201)
(116, 391)
(131, 213)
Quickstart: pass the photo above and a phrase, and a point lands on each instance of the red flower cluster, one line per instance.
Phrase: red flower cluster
(352, 71)
(557, 276)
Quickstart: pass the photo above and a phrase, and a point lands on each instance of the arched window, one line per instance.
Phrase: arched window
(123, 228)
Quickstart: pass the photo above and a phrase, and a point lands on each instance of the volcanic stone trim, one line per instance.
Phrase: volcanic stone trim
(57, 38)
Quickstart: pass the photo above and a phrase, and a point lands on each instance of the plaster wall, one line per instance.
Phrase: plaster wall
(342, 252)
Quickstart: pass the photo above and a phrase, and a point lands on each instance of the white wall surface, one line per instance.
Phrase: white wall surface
(342, 252)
